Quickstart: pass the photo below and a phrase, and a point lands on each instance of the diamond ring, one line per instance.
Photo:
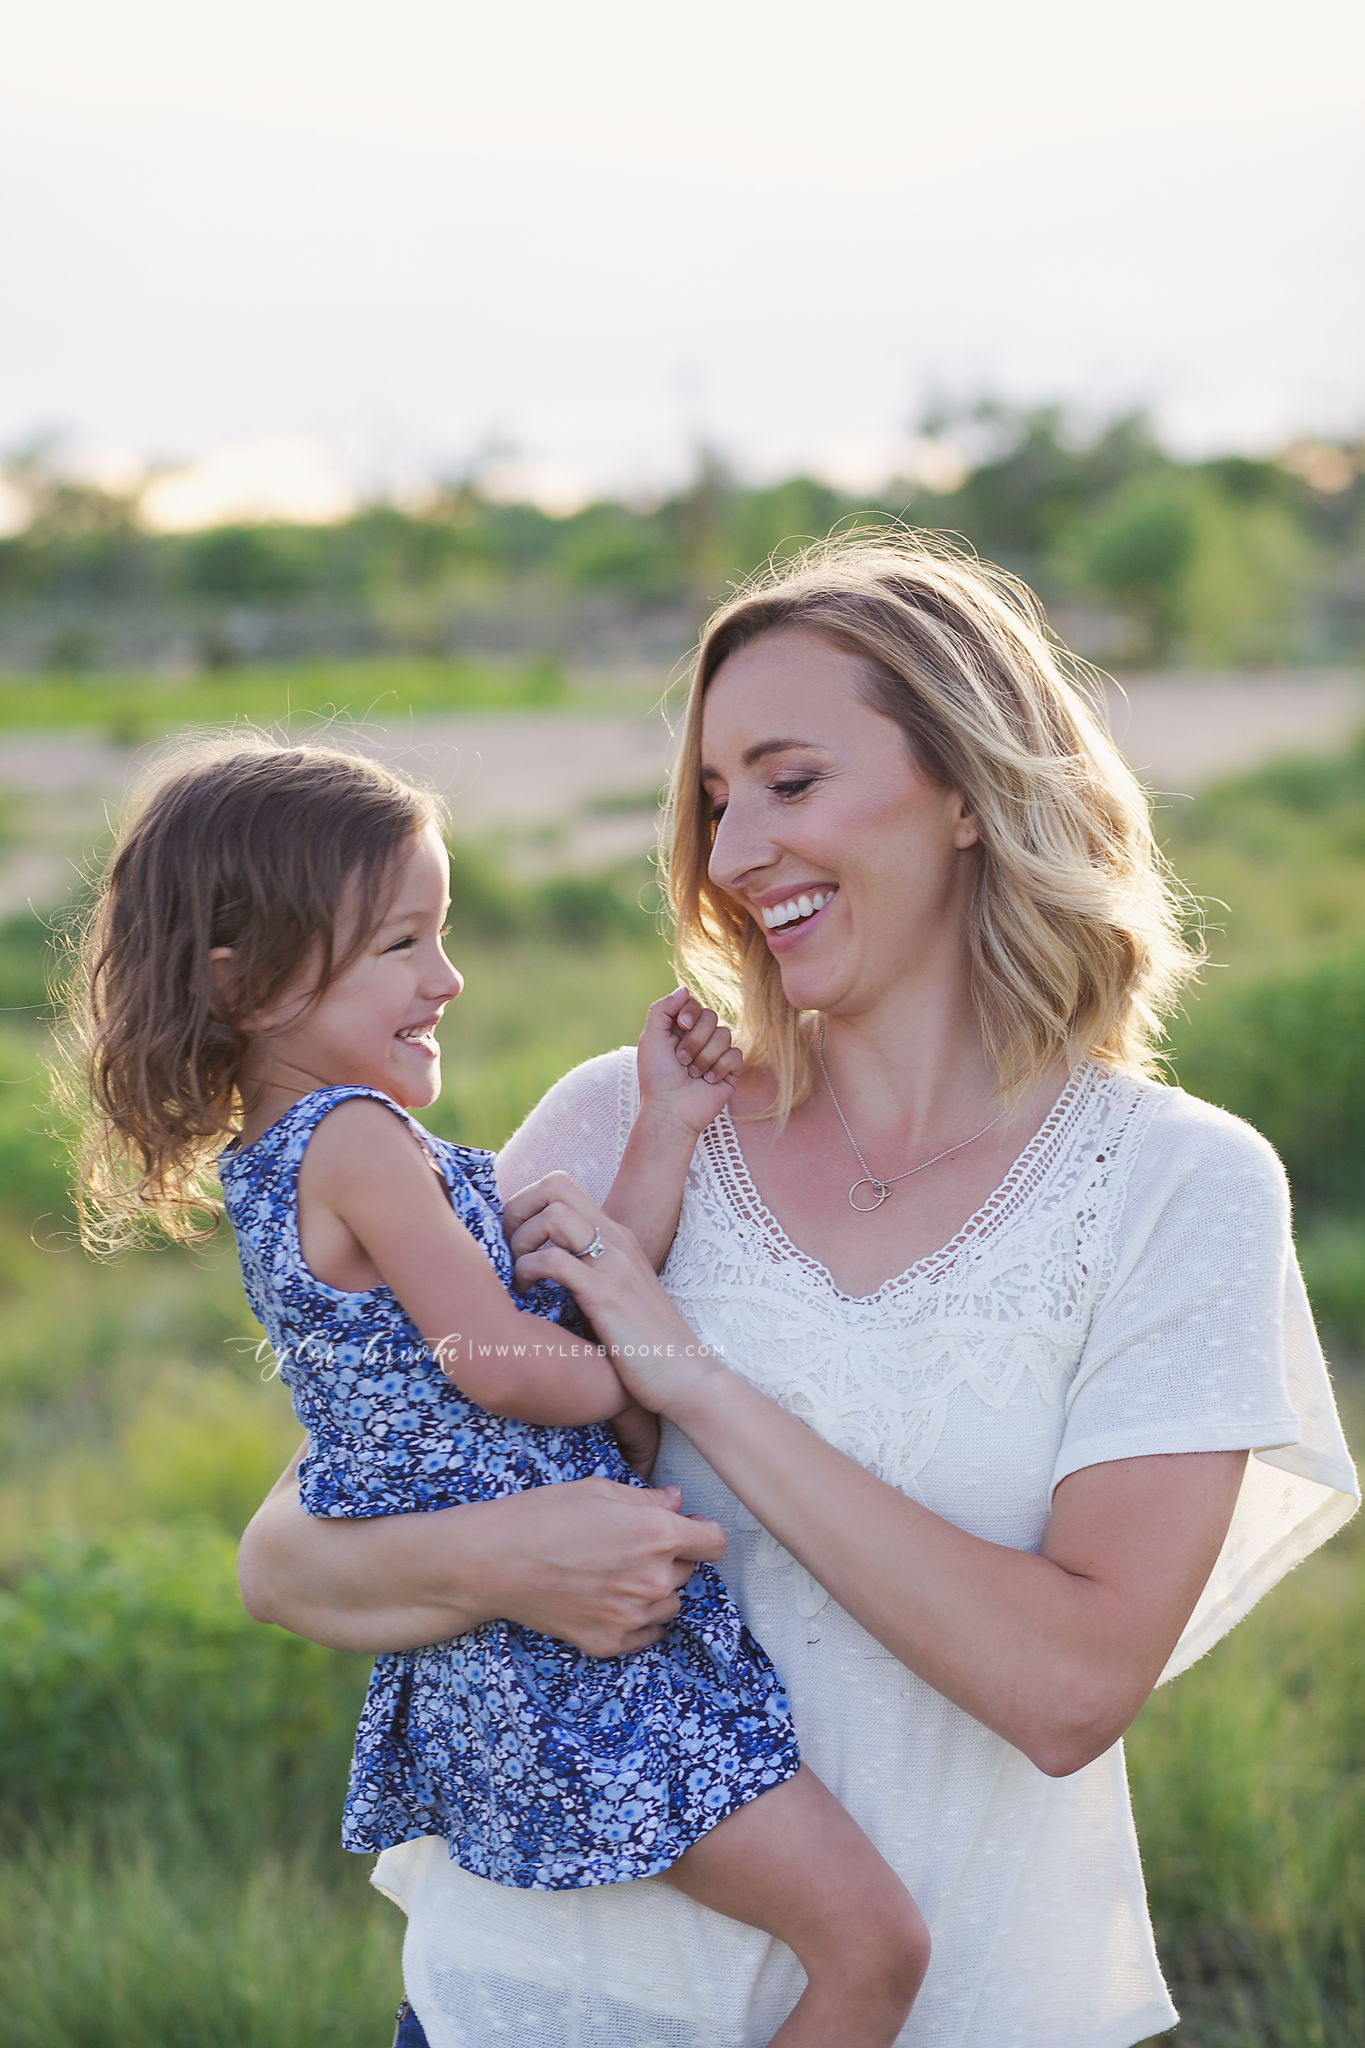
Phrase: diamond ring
(594, 1250)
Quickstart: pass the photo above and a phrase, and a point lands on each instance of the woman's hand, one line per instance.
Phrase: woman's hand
(549, 1227)
(593, 1563)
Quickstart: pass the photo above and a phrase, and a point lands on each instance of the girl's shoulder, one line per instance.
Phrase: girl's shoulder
(284, 1142)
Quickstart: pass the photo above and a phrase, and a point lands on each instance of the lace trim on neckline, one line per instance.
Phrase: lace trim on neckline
(1045, 1150)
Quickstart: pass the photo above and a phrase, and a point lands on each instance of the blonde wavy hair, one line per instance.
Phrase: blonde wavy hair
(1075, 926)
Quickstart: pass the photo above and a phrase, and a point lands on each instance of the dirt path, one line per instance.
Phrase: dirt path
(559, 789)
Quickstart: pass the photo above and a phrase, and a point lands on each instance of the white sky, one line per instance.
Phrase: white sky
(405, 231)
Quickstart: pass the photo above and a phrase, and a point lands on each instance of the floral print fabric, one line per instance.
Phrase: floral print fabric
(542, 1768)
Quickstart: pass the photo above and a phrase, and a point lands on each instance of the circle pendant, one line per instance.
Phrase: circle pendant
(880, 1190)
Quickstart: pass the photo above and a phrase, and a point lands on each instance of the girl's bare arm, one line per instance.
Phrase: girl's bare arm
(688, 1068)
(1054, 1651)
(595, 1564)
(367, 1187)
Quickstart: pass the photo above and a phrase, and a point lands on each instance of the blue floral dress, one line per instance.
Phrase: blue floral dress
(542, 1768)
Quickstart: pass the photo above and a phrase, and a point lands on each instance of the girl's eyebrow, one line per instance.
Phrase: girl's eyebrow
(403, 916)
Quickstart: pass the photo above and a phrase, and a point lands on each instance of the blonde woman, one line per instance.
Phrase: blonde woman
(1015, 1405)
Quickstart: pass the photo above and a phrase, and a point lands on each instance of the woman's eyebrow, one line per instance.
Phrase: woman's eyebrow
(752, 755)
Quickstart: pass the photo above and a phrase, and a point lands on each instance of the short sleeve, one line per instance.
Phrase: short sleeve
(1203, 1341)
(579, 1127)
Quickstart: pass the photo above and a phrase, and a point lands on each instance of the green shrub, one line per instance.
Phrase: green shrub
(1288, 1054)
(131, 1673)
(35, 1164)
(1332, 1254)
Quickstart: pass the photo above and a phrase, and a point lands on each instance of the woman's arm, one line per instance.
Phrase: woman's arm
(1056, 1651)
(596, 1564)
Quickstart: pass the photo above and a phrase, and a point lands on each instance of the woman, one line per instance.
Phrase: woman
(1001, 1320)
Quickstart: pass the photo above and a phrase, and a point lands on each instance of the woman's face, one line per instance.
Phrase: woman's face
(823, 810)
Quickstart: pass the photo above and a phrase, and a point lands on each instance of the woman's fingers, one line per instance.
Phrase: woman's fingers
(529, 1201)
(598, 1564)
(570, 1225)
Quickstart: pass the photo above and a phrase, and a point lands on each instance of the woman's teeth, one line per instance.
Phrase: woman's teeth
(798, 907)
(419, 1035)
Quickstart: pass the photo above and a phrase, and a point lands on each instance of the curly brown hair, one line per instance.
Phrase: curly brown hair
(252, 845)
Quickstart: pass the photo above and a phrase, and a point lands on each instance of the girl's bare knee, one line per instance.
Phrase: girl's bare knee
(891, 1948)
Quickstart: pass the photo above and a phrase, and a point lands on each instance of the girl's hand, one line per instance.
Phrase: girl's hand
(687, 1061)
(549, 1225)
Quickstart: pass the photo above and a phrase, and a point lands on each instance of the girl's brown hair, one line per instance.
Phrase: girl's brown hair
(1074, 927)
(252, 846)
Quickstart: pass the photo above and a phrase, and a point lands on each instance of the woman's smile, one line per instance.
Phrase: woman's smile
(845, 853)
(795, 913)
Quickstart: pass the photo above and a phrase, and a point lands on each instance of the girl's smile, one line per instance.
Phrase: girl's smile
(374, 1025)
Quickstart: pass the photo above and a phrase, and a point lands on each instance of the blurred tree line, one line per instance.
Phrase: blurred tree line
(1141, 559)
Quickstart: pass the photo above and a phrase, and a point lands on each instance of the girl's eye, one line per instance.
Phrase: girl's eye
(399, 945)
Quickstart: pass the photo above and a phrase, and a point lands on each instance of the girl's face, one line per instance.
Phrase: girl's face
(375, 1024)
(823, 811)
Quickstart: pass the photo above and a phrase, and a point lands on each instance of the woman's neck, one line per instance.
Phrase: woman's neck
(912, 1070)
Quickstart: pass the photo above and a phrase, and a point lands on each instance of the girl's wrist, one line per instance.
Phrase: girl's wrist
(659, 1127)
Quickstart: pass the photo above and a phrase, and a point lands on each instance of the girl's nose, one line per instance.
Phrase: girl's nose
(450, 981)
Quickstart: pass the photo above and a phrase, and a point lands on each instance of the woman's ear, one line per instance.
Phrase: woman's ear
(965, 831)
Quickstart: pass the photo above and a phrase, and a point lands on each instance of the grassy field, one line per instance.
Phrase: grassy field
(135, 707)
(170, 1773)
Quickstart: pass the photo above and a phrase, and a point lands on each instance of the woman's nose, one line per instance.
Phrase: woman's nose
(738, 848)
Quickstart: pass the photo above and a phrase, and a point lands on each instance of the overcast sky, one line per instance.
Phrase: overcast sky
(595, 232)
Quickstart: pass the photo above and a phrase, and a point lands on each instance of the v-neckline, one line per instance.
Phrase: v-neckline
(725, 1139)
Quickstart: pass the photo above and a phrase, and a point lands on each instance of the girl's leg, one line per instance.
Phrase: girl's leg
(793, 1863)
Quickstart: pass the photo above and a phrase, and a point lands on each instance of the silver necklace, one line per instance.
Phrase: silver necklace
(882, 1188)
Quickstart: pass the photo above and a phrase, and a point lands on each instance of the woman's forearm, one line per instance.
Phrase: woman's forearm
(595, 1563)
(373, 1584)
(1056, 1651)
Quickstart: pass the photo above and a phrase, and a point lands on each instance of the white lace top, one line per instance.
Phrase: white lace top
(1129, 1289)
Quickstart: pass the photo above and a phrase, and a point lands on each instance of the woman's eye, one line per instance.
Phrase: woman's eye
(796, 787)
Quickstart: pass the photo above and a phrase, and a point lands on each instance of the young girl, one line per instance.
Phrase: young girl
(267, 958)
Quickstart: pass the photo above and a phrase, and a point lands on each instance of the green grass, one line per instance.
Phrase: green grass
(1249, 1788)
(133, 708)
(153, 1940)
(171, 1774)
